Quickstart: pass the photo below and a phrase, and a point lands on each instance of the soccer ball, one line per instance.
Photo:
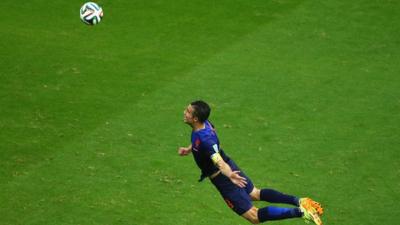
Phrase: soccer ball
(91, 13)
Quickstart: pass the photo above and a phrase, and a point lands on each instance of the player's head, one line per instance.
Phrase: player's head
(197, 112)
(201, 110)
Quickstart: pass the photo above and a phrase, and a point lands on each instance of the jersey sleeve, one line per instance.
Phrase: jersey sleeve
(210, 147)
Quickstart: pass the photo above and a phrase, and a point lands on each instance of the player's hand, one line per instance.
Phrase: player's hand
(182, 151)
(237, 179)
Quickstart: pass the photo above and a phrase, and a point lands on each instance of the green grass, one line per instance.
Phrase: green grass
(305, 97)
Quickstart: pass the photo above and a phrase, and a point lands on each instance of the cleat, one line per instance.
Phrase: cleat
(311, 203)
(310, 214)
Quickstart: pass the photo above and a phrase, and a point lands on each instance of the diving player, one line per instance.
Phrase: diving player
(234, 186)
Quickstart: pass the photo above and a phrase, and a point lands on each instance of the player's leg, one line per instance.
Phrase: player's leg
(240, 202)
(273, 196)
(269, 213)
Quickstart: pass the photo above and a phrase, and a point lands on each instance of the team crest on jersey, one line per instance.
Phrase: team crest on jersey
(197, 143)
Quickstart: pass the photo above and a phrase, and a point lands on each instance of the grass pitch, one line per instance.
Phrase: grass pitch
(305, 97)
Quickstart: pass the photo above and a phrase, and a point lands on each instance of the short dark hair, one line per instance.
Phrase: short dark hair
(201, 110)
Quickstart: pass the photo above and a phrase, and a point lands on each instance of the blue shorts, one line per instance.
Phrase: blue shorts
(238, 199)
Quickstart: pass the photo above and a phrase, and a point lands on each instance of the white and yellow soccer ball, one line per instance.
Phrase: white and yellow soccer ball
(91, 13)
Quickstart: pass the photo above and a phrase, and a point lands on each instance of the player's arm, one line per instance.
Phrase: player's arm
(225, 169)
(182, 151)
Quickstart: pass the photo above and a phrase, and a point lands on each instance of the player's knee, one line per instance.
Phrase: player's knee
(255, 194)
(253, 219)
(252, 215)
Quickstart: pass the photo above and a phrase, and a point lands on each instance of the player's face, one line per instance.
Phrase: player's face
(188, 115)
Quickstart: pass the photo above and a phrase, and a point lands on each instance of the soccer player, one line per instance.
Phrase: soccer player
(234, 186)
